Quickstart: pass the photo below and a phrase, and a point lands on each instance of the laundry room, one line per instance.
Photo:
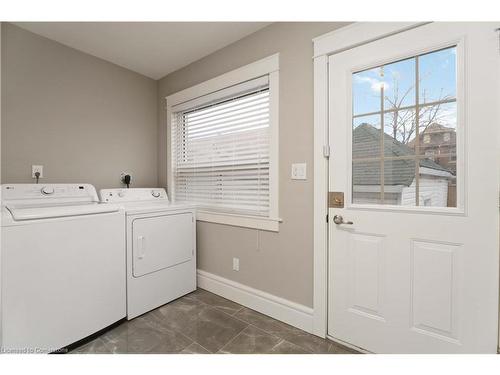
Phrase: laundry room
(275, 184)
(85, 116)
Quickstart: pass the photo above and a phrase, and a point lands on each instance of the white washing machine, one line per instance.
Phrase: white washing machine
(62, 266)
(161, 247)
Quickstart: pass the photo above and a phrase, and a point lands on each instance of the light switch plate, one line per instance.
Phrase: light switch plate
(36, 168)
(236, 264)
(299, 171)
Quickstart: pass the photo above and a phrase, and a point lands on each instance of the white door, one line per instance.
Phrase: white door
(413, 127)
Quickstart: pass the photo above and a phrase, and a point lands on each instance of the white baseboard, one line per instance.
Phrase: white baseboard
(292, 313)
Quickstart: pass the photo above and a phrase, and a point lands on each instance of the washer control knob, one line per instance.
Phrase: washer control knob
(121, 194)
(155, 194)
(47, 190)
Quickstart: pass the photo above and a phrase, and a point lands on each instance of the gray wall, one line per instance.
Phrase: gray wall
(278, 263)
(83, 118)
(86, 120)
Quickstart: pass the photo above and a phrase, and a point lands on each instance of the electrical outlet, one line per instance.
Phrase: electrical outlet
(236, 264)
(36, 168)
(299, 171)
(122, 175)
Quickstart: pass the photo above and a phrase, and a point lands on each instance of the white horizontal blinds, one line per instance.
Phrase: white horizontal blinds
(221, 149)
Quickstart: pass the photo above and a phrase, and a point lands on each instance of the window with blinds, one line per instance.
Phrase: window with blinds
(220, 149)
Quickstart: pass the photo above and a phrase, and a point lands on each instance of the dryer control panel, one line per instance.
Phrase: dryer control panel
(133, 195)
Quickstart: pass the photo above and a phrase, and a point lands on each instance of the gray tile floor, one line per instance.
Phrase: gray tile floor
(202, 323)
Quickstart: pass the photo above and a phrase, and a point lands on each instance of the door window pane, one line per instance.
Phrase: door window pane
(366, 87)
(404, 150)
(400, 131)
(400, 87)
(438, 146)
(398, 187)
(366, 187)
(437, 76)
(366, 142)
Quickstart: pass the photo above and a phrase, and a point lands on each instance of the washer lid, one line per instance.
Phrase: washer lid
(25, 212)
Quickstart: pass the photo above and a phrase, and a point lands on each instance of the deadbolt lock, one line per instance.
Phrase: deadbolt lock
(336, 199)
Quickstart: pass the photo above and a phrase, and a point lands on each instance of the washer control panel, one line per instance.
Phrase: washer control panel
(133, 194)
(41, 192)
(48, 190)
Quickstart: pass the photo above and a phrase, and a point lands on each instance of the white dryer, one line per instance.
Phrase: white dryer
(161, 247)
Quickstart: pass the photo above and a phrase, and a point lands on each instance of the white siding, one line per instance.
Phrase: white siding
(374, 198)
(433, 191)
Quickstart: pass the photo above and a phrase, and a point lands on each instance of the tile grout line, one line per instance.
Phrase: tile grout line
(269, 333)
(282, 340)
(215, 307)
(196, 342)
(253, 325)
(156, 324)
(174, 331)
(242, 321)
(250, 324)
(275, 335)
(225, 313)
(234, 338)
(236, 312)
(182, 334)
(308, 351)
(230, 315)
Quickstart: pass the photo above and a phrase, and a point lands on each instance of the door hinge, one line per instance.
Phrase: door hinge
(497, 30)
(327, 218)
(326, 151)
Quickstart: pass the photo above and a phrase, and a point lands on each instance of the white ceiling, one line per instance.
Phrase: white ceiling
(154, 49)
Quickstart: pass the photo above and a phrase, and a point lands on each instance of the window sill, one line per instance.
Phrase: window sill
(245, 221)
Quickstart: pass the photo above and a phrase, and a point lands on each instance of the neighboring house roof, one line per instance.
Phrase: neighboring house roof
(437, 128)
(366, 144)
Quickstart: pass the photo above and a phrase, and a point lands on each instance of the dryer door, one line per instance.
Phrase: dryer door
(162, 241)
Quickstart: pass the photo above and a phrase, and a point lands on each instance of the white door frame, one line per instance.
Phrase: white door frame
(325, 45)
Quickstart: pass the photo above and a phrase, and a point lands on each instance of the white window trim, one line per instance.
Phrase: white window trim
(267, 66)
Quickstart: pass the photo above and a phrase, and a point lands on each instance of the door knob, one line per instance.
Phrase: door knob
(337, 219)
